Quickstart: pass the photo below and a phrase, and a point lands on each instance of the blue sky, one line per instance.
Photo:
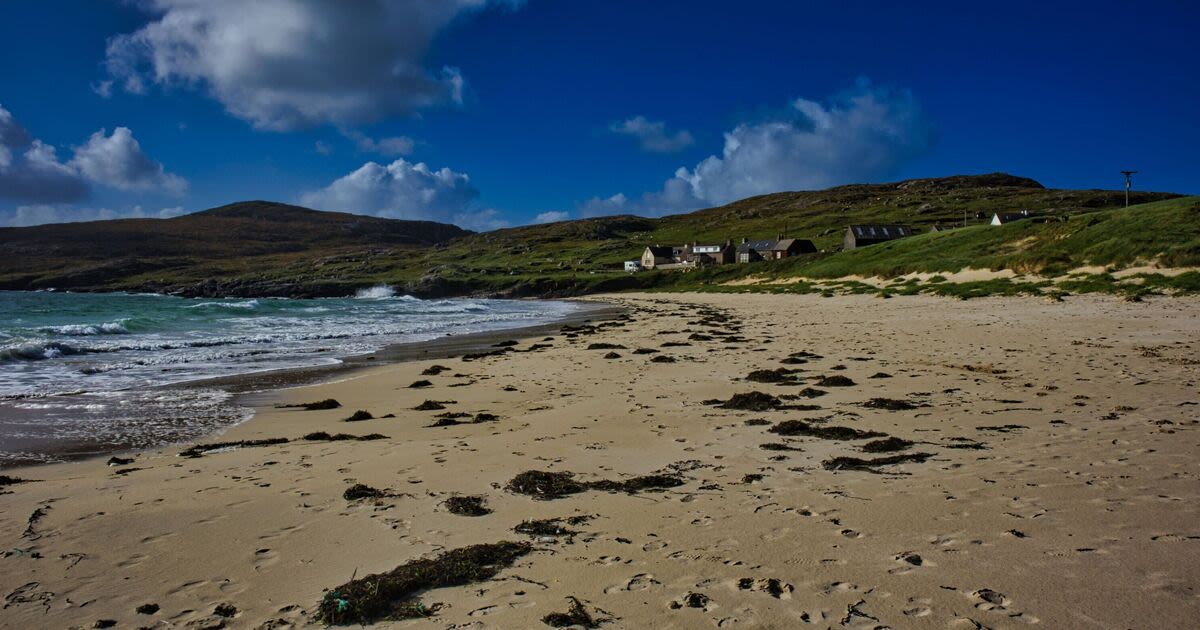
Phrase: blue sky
(501, 112)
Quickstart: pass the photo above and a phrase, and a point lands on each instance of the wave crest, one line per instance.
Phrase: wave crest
(248, 305)
(87, 330)
(38, 351)
(377, 292)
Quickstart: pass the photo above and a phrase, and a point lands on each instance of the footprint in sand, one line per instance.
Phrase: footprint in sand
(133, 560)
(157, 538)
(909, 562)
(264, 558)
(187, 586)
(772, 586)
(639, 582)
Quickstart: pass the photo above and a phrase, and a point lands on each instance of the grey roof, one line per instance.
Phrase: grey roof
(880, 232)
(760, 246)
(661, 252)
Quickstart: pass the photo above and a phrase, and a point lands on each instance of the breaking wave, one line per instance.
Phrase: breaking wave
(37, 351)
(87, 330)
(247, 305)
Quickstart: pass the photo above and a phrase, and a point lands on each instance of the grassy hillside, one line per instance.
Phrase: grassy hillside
(224, 243)
(1166, 233)
(270, 249)
(586, 255)
(1049, 259)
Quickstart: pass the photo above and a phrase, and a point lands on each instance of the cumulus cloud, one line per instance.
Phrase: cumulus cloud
(40, 214)
(406, 190)
(391, 146)
(862, 135)
(603, 207)
(552, 216)
(287, 64)
(118, 161)
(31, 171)
(653, 136)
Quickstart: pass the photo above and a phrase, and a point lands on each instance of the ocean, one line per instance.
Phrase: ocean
(82, 373)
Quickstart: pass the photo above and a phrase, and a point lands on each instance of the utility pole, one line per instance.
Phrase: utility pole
(1128, 184)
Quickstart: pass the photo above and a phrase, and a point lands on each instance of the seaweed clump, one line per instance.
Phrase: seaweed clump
(328, 403)
(433, 405)
(552, 527)
(576, 616)
(887, 445)
(638, 484)
(605, 346)
(467, 506)
(800, 427)
(362, 491)
(545, 485)
(393, 594)
(778, 446)
(778, 375)
(199, 450)
(752, 401)
(434, 370)
(837, 380)
(891, 404)
(5, 480)
(359, 416)
(554, 485)
(322, 436)
(872, 465)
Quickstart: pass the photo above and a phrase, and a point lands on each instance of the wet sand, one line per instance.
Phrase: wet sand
(1045, 473)
(39, 443)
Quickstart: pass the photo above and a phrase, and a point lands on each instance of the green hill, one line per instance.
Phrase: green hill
(220, 245)
(260, 248)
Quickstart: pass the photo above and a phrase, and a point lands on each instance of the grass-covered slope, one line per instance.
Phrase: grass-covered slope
(1163, 233)
(257, 248)
(221, 244)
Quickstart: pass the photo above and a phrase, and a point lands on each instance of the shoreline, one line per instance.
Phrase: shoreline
(1049, 477)
(249, 391)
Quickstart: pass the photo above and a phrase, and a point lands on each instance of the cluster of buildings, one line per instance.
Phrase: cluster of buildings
(692, 255)
(703, 255)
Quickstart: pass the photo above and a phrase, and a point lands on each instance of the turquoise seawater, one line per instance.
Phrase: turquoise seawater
(78, 370)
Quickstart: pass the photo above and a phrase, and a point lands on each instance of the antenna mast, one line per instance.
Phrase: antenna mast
(1128, 184)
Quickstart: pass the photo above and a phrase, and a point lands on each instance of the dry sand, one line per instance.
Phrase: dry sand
(1078, 509)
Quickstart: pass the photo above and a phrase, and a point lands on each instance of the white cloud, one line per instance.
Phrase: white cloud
(103, 89)
(552, 216)
(862, 135)
(390, 147)
(322, 147)
(31, 171)
(40, 214)
(652, 136)
(608, 206)
(118, 161)
(287, 64)
(404, 190)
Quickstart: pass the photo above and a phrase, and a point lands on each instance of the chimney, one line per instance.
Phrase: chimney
(745, 240)
(779, 237)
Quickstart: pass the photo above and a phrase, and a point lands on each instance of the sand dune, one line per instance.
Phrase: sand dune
(1051, 479)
